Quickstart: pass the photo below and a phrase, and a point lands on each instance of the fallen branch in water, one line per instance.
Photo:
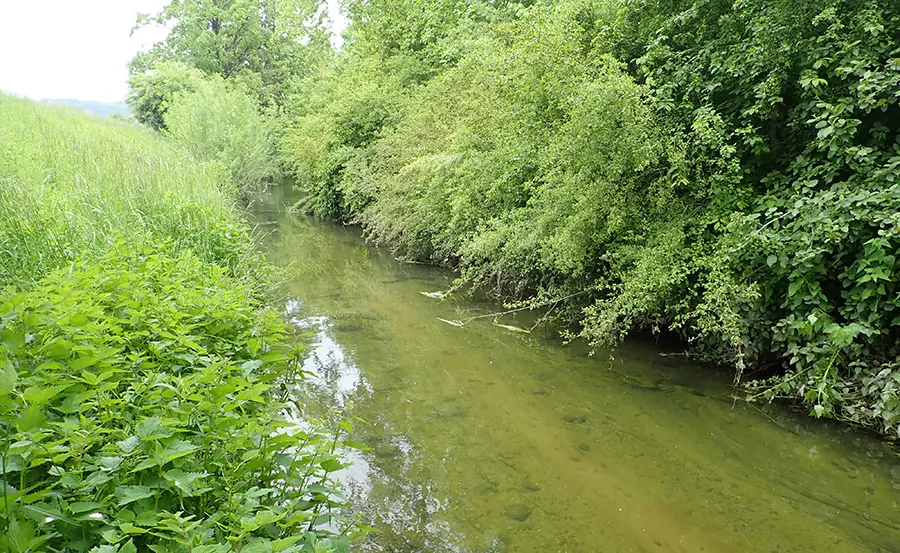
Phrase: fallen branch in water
(495, 315)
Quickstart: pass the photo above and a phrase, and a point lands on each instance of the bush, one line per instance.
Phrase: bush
(144, 405)
(338, 115)
(152, 92)
(724, 170)
(222, 123)
(789, 106)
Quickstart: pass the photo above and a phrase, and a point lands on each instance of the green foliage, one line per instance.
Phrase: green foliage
(803, 93)
(338, 114)
(70, 183)
(144, 403)
(726, 170)
(153, 91)
(221, 123)
(147, 397)
(332, 117)
(262, 44)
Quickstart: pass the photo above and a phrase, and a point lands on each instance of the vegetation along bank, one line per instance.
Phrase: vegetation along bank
(144, 385)
(724, 170)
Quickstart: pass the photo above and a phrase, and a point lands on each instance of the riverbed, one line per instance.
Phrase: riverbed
(486, 439)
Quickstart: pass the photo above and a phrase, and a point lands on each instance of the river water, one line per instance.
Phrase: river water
(484, 439)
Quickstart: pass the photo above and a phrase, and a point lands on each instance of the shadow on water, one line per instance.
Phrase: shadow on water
(487, 440)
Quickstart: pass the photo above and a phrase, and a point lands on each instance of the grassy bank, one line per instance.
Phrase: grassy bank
(69, 184)
(144, 386)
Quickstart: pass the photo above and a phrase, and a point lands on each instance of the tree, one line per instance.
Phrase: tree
(152, 91)
(261, 43)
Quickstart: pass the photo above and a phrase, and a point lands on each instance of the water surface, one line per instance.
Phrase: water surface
(489, 440)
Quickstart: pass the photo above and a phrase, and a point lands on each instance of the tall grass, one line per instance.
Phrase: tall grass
(71, 183)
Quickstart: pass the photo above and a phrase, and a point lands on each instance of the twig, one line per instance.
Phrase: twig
(494, 315)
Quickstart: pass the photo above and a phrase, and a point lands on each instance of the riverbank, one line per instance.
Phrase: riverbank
(483, 439)
(143, 380)
(724, 172)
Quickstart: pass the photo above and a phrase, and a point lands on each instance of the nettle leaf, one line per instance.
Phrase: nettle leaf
(176, 450)
(268, 517)
(8, 376)
(257, 545)
(110, 463)
(214, 548)
(128, 445)
(339, 544)
(184, 481)
(250, 366)
(80, 507)
(284, 543)
(153, 429)
(42, 512)
(331, 465)
(130, 494)
(39, 395)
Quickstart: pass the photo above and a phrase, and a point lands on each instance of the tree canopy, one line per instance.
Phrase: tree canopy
(262, 43)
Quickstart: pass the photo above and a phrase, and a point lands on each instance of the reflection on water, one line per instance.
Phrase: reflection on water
(486, 440)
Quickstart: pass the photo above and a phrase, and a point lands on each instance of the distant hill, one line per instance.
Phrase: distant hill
(103, 109)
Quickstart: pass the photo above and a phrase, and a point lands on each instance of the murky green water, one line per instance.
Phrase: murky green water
(487, 440)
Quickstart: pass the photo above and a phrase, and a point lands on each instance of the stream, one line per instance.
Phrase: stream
(485, 439)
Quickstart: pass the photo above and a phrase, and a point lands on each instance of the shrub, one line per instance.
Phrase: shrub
(222, 123)
(724, 170)
(151, 93)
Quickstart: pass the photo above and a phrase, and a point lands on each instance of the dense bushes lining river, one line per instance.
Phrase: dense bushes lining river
(723, 169)
(144, 385)
(727, 170)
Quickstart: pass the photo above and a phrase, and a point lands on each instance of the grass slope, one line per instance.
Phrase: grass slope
(144, 386)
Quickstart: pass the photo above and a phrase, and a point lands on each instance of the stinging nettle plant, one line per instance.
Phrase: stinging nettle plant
(144, 405)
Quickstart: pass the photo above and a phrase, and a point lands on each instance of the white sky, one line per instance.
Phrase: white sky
(76, 48)
(71, 48)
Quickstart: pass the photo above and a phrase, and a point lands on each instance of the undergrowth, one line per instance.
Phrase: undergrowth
(144, 403)
(147, 395)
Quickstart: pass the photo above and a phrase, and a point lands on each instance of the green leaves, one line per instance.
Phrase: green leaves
(152, 428)
(221, 123)
(725, 170)
(185, 481)
(118, 437)
(8, 376)
(130, 494)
